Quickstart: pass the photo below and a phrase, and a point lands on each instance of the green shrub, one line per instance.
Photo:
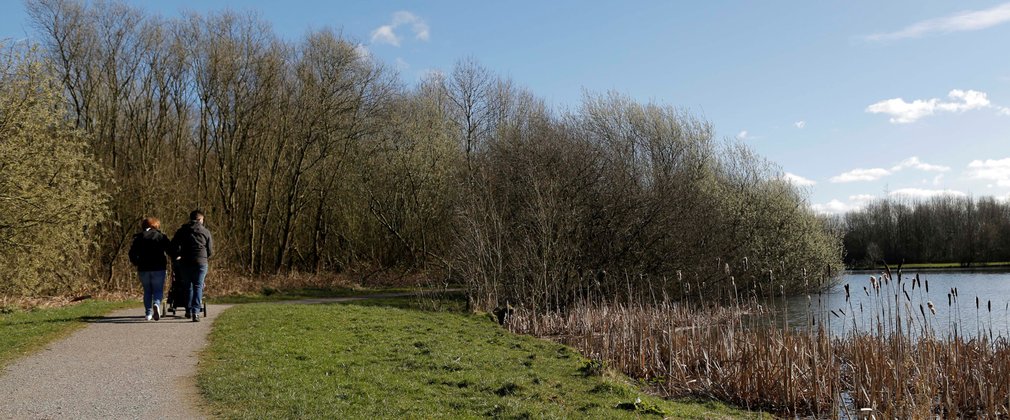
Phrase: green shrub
(49, 185)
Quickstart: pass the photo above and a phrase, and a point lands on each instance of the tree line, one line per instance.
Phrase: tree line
(310, 156)
(942, 229)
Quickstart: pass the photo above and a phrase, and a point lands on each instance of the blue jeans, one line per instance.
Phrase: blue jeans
(193, 276)
(154, 288)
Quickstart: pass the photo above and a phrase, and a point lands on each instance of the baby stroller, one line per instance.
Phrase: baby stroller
(178, 297)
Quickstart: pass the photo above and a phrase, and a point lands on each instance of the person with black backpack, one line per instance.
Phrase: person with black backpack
(147, 253)
(193, 246)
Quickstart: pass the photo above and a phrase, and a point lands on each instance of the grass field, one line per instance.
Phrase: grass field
(22, 332)
(377, 361)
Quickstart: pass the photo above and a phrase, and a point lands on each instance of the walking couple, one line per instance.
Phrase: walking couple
(188, 249)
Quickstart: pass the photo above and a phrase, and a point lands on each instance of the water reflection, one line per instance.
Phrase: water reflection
(868, 310)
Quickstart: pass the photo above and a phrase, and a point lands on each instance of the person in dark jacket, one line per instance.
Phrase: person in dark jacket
(193, 246)
(147, 253)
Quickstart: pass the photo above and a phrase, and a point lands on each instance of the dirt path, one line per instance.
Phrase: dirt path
(120, 366)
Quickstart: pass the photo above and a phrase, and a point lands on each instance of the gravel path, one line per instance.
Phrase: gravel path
(121, 366)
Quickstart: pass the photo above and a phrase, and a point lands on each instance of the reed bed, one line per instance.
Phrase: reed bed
(896, 357)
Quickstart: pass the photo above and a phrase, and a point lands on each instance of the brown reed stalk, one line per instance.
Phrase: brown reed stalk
(742, 354)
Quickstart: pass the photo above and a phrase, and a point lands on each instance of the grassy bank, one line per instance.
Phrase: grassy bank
(22, 332)
(373, 360)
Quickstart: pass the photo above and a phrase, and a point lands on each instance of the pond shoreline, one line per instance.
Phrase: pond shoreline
(993, 269)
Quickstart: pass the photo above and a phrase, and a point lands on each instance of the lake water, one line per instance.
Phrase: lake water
(868, 310)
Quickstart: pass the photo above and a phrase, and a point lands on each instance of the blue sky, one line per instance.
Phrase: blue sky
(852, 99)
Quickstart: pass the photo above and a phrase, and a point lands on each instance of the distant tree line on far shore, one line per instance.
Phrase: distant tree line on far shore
(312, 156)
(941, 229)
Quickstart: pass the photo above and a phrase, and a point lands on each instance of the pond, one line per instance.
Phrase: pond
(873, 309)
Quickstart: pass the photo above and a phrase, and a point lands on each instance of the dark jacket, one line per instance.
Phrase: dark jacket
(193, 243)
(149, 249)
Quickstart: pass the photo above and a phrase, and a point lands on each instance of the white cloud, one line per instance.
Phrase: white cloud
(973, 99)
(362, 52)
(798, 180)
(862, 198)
(386, 34)
(990, 169)
(401, 64)
(742, 135)
(832, 207)
(800, 124)
(872, 174)
(937, 179)
(836, 206)
(923, 193)
(418, 25)
(914, 162)
(958, 22)
(902, 112)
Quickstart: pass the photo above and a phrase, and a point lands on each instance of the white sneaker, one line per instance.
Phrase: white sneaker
(148, 317)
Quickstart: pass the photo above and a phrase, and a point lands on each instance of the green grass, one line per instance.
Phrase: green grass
(375, 361)
(272, 295)
(22, 332)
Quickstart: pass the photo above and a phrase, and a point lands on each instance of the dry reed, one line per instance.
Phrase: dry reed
(890, 360)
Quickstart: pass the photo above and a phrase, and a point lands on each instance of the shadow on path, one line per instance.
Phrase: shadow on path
(113, 319)
(130, 319)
